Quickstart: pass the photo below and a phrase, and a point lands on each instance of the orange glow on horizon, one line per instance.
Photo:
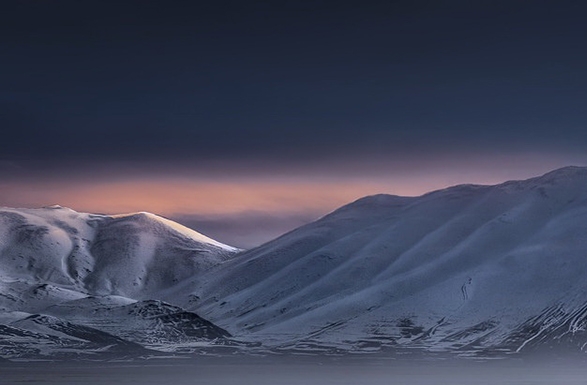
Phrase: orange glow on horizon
(233, 194)
(206, 198)
(167, 197)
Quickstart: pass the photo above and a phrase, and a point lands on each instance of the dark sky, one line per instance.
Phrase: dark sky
(134, 80)
(411, 95)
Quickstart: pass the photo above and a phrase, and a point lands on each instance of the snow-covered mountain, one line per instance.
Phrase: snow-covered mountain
(133, 255)
(468, 270)
(69, 280)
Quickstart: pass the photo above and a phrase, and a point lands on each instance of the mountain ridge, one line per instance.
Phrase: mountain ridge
(463, 255)
(470, 270)
(79, 285)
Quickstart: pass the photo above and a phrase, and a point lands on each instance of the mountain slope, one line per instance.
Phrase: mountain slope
(470, 270)
(133, 255)
(453, 269)
(98, 268)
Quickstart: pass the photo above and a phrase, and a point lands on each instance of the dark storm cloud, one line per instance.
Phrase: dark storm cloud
(136, 80)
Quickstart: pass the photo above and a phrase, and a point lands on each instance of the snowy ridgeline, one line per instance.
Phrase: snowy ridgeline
(73, 283)
(466, 271)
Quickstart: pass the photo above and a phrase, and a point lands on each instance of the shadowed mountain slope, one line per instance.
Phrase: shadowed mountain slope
(457, 268)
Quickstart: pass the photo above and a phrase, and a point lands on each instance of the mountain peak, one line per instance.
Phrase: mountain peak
(178, 228)
(565, 172)
(57, 207)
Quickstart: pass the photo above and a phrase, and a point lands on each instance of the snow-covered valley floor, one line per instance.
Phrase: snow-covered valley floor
(227, 371)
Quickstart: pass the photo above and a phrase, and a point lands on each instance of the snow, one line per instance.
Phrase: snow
(82, 270)
(130, 255)
(186, 232)
(447, 260)
(469, 270)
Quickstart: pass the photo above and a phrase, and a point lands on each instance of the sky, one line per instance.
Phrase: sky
(244, 120)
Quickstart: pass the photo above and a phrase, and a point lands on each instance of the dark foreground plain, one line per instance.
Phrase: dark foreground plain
(293, 371)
